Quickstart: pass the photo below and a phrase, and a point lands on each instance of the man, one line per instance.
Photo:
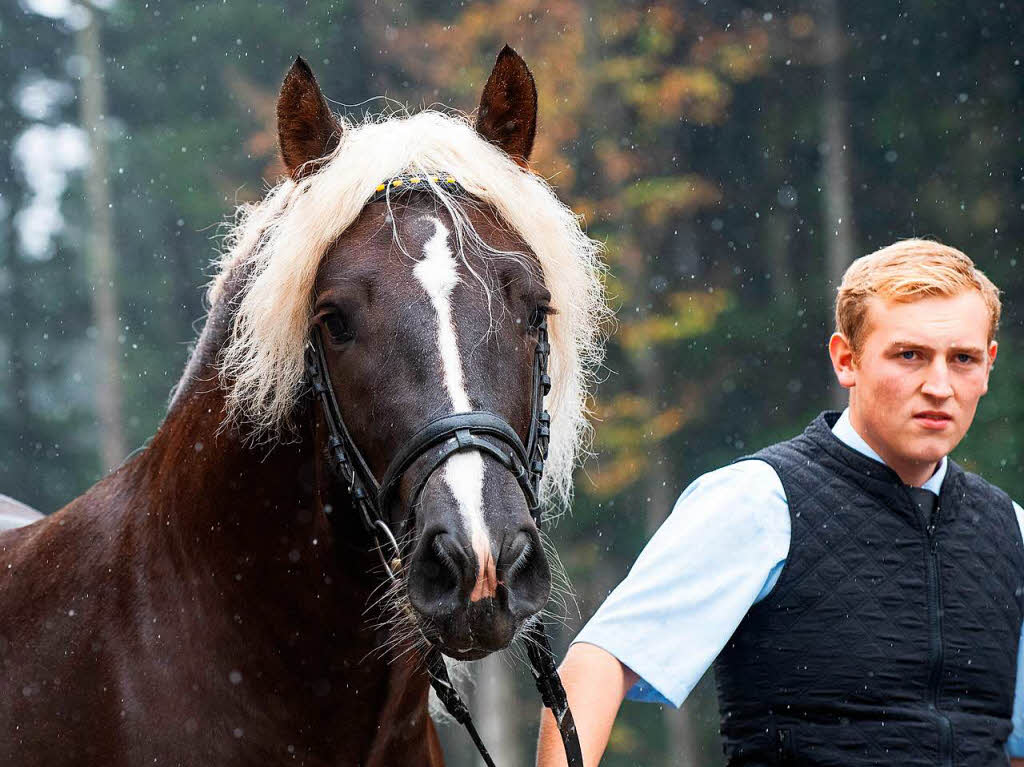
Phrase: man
(861, 592)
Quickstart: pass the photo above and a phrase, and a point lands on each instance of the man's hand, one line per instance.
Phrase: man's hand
(595, 683)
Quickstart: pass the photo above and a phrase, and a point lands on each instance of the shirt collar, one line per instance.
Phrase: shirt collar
(845, 433)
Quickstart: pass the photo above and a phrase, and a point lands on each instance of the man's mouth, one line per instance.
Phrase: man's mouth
(933, 419)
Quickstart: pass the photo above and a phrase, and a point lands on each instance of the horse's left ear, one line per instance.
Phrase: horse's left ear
(508, 107)
(307, 130)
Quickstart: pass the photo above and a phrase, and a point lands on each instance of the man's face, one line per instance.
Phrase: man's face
(917, 379)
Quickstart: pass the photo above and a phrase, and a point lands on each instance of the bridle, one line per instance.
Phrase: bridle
(438, 440)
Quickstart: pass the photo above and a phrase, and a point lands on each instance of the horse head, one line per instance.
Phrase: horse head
(432, 255)
(417, 326)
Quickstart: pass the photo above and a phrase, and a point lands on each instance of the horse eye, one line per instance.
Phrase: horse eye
(340, 332)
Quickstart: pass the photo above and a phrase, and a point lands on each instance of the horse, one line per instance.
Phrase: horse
(218, 599)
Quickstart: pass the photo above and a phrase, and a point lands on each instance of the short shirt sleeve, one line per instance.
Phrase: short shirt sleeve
(719, 551)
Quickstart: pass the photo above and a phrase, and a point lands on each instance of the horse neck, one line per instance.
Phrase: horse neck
(225, 494)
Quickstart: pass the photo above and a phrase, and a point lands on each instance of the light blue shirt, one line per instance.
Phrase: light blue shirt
(720, 551)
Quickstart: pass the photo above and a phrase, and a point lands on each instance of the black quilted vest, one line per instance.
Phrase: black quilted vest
(884, 642)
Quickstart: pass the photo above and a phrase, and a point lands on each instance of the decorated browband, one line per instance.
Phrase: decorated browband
(413, 183)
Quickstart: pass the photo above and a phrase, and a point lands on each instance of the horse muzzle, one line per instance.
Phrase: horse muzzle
(477, 574)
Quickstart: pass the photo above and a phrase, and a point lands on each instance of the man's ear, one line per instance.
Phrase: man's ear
(307, 130)
(508, 107)
(843, 361)
(993, 350)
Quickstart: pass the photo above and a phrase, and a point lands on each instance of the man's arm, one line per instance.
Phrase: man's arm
(595, 683)
(719, 551)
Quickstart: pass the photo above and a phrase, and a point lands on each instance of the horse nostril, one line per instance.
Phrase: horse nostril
(438, 571)
(448, 556)
(523, 568)
(515, 556)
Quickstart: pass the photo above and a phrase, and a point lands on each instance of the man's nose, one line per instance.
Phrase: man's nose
(937, 383)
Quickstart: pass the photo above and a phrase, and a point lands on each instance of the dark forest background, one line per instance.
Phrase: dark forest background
(734, 157)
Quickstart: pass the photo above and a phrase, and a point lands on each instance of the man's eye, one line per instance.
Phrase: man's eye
(339, 331)
(908, 354)
(964, 359)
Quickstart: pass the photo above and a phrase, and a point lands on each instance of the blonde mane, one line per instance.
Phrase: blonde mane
(282, 240)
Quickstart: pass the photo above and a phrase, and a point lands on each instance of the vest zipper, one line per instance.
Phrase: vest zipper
(936, 652)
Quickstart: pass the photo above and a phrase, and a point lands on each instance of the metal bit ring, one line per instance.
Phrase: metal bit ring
(396, 560)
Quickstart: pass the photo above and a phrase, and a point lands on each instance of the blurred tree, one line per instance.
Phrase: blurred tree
(101, 257)
(840, 239)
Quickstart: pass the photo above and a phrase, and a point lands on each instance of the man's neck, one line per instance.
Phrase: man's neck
(859, 438)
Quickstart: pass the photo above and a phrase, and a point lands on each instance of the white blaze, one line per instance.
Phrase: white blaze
(438, 273)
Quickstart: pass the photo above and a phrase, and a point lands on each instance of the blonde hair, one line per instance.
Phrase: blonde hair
(906, 271)
(282, 240)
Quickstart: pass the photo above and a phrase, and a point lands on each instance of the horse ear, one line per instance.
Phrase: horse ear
(307, 130)
(508, 107)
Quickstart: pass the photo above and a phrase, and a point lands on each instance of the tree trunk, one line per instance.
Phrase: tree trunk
(840, 245)
(100, 249)
(18, 312)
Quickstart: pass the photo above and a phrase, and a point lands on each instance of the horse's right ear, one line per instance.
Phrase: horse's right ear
(307, 130)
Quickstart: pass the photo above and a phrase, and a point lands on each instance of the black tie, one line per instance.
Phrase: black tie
(926, 501)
